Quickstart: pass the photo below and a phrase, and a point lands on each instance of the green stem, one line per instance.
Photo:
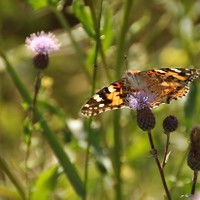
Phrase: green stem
(117, 156)
(98, 41)
(64, 160)
(8, 172)
(116, 128)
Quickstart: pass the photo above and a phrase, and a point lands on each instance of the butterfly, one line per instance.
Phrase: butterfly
(153, 87)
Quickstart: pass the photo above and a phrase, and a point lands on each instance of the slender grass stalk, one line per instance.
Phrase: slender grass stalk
(11, 176)
(194, 182)
(154, 153)
(116, 120)
(96, 21)
(62, 157)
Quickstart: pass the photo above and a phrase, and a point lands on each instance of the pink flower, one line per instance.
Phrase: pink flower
(42, 43)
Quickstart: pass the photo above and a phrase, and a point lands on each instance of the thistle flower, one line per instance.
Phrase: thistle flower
(170, 124)
(193, 159)
(140, 101)
(42, 44)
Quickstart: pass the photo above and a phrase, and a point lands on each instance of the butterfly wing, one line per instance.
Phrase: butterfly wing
(108, 98)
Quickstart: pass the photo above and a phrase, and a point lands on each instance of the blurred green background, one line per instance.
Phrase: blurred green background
(159, 33)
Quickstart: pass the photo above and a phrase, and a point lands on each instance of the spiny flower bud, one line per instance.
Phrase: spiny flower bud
(193, 159)
(145, 119)
(170, 124)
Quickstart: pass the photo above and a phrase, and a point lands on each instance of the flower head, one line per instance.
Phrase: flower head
(139, 100)
(170, 124)
(42, 43)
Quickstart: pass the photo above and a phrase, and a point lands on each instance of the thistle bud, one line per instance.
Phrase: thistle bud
(193, 159)
(170, 124)
(41, 61)
(145, 119)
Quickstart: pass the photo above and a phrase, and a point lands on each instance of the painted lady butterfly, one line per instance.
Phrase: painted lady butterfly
(155, 87)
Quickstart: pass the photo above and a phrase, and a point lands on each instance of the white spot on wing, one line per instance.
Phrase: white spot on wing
(176, 70)
(97, 98)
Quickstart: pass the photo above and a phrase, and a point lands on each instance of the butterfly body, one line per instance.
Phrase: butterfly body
(157, 86)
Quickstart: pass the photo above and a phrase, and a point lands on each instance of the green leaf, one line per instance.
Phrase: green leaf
(45, 184)
(82, 12)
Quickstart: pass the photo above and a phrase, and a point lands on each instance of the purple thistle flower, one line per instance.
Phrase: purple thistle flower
(42, 43)
(139, 100)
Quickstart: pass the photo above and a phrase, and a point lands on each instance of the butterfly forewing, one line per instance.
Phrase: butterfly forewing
(108, 98)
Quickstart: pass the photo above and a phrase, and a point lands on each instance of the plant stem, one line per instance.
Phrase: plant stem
(97, 21)
(36, 92)
(117, 156)
(194, 181)
(116, 123)
(166, 151)
(153, 151)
